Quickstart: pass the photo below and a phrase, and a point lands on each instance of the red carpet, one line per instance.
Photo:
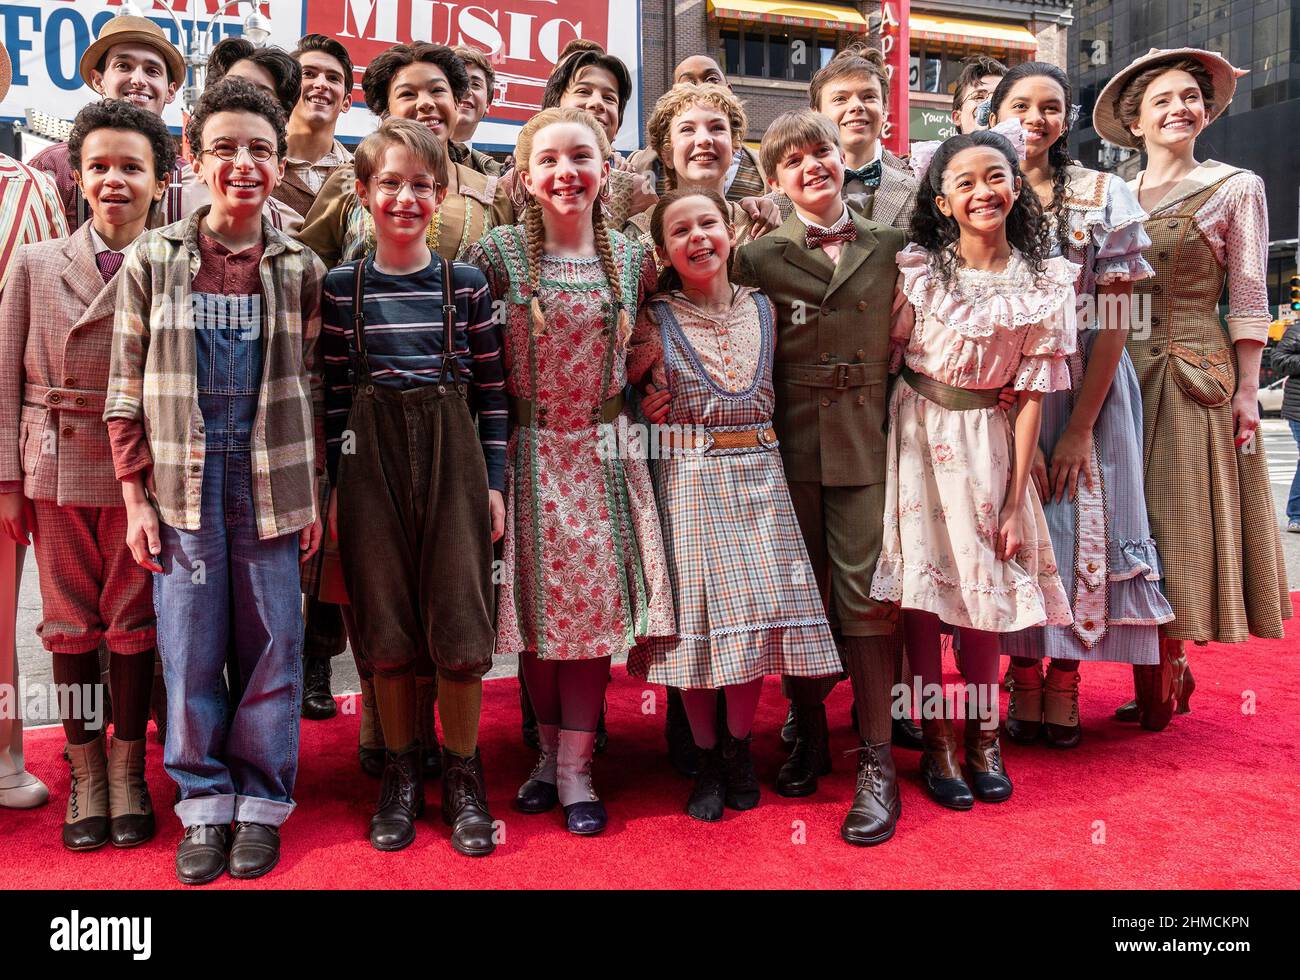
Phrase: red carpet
(1209, 803)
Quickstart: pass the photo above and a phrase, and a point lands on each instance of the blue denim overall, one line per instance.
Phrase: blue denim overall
(224, 587)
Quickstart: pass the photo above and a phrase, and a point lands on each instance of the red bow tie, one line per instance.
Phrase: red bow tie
(845, 231)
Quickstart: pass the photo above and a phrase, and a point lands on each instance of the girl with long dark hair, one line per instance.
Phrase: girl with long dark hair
(1088, 464)
(965, 539)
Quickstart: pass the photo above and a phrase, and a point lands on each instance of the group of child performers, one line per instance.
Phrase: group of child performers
(461, 376)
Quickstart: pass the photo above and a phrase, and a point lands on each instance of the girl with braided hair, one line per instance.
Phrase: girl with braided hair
(585, 575)
(1088, 464)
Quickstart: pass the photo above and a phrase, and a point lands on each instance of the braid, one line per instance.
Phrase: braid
(1059, 157)
(533, 232)
(605, 249)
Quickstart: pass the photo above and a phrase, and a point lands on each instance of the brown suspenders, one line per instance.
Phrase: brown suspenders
(448, 319)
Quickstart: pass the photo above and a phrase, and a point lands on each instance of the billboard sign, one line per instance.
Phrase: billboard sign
(523, 38)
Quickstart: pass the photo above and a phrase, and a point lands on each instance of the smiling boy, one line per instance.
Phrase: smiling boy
(133, 60)
(979, 76)
(57, 317)
(418, 387)
(830, 274)
(213, 403)
(473, 107)
(314, 154)
(314, 150)
(853, 92)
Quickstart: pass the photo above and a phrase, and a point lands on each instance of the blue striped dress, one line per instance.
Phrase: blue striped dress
(1104, 549)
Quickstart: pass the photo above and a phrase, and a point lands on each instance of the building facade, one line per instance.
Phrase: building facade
(1258, 130)
(770, 48)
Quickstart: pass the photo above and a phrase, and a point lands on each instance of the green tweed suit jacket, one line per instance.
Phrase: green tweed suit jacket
(832, 352)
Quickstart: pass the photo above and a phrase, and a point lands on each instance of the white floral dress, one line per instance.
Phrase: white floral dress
(948, 471)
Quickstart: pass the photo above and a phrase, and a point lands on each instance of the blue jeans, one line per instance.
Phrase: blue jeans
(216, 580)
(1293, 501)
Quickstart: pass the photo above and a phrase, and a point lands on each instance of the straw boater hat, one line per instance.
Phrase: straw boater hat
(128, 29)
(1105, 115)
(6, 73)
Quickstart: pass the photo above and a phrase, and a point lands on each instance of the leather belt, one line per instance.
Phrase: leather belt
(527, 412)
(720, 439)
(946, 396)
(843, 375)
(64, 399)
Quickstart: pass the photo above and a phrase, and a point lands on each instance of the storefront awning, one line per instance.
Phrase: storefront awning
(977, 33)
(790, 13)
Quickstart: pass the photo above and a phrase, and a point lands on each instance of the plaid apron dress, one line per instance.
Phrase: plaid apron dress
(747, 600)
(1210, 504)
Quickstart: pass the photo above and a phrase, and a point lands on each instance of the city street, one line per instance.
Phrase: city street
(35, 662)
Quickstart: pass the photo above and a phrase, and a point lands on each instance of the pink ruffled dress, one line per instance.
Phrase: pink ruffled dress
(949, 471)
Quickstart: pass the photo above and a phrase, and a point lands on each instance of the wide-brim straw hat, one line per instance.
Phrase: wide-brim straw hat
(1105, 114)
(6, 73)
(129, 29)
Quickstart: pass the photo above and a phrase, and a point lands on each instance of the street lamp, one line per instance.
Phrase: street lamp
(196, 45)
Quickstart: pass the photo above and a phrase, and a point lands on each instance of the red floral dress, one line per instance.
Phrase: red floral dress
(584, 574)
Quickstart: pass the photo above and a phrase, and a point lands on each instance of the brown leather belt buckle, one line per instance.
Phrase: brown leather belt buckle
(841, 377)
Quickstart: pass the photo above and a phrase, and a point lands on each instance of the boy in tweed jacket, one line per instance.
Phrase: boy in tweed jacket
(214, 406)
(852, 91)
(56, 469)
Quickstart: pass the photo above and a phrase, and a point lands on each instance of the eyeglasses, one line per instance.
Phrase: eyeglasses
(228, 150)
(392, 186)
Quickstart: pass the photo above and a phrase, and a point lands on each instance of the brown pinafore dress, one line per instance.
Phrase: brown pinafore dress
(1210, 504)
(415, 531)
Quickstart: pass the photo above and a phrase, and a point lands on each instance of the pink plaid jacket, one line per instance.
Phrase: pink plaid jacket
(56, 334)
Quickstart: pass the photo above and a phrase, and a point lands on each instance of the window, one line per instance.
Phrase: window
(1267, 95)
(924, 72)
(731, 52)
(752, 50)
(778, 55)
(775, 54)
(935, 69)
(948, 75)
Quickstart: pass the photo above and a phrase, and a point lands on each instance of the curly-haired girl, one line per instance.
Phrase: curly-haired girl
(695, 131)
(965, 538)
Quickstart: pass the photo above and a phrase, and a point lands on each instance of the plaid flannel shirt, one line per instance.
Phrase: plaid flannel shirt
(152, 379)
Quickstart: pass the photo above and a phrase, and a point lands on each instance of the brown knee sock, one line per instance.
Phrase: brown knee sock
(395, 701)
(131, 675)
(79, 671)
(459, 703)
(873, 662)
